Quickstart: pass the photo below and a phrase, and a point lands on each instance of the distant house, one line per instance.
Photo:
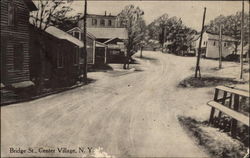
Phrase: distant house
(93, 56)
(63, 63)
(114, 38)
(101, 21)
(15, 61)
(116, 49)
(210, 45)
(107, 29)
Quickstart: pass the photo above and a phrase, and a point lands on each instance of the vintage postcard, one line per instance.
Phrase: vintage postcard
(125, 78)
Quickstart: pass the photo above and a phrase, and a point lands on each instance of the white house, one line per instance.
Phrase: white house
(210, 45)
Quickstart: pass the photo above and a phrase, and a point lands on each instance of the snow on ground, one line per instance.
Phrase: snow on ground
(124, 112)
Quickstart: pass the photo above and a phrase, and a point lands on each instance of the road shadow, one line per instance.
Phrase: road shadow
(100, 68)
(147, 58)
(30, 95)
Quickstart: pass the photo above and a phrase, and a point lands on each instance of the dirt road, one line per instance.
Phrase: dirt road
(128, 114)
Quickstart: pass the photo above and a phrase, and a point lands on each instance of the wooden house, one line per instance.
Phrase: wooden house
(100, 21)
(15, 59)
(115, 39)
(63, 61)
(116, 50)
(210, 45)
(78, 33)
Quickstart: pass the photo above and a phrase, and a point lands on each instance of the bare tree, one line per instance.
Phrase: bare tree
(49, 11)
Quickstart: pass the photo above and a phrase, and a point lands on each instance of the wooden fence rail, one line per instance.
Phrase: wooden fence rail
(232, 110)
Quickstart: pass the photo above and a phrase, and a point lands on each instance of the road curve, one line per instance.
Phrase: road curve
(128, 114)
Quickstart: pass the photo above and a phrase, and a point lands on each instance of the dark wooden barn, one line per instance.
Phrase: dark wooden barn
(63, 63)
(15, 59)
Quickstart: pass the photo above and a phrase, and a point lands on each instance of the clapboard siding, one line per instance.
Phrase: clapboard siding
(13, 35)
(67, 74)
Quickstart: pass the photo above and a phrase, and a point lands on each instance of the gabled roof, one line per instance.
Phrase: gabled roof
(108, 33)
(217, 37)
(98, 15)
(52, 30)
(99, 44)
(63, 35)
(110, 40)
(30, 5)
(80, 30)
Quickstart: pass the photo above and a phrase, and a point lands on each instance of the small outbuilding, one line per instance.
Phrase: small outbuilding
(115, 39)
(63, 63)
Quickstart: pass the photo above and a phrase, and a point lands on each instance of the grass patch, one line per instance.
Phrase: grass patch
(207, 81)
(215, 142)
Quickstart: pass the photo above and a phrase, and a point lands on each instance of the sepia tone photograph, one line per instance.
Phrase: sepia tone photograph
(125, 78)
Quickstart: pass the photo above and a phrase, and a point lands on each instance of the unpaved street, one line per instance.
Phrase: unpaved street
(126, 113)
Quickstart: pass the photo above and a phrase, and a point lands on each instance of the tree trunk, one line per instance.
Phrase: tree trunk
(141, 53)
(236, 47)
(125, 61)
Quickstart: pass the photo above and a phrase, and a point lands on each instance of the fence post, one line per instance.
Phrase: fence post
(213, 109)
(234, 121)
(223, 102)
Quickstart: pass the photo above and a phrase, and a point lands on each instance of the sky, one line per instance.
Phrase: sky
(191, 12)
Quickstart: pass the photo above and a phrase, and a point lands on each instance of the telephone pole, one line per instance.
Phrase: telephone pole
(85, 42)
(220, 48)
(163, 36)
(242, 34)
(199, 49)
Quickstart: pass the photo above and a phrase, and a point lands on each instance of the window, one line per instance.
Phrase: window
(109, 22)
(59, 59)
(225, 44)
(77, 35)
(76, 56)
(18, 56)
(204, 43)
(214, 43)
(12, 20)
(94, 22)
(102, 22)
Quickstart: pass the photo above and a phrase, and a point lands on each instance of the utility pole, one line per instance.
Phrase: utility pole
(242, 39)
(163, 36)
(199, 49)
(85, 42)
(220, 47)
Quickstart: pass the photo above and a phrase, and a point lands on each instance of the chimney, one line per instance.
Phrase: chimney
(105, 13)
